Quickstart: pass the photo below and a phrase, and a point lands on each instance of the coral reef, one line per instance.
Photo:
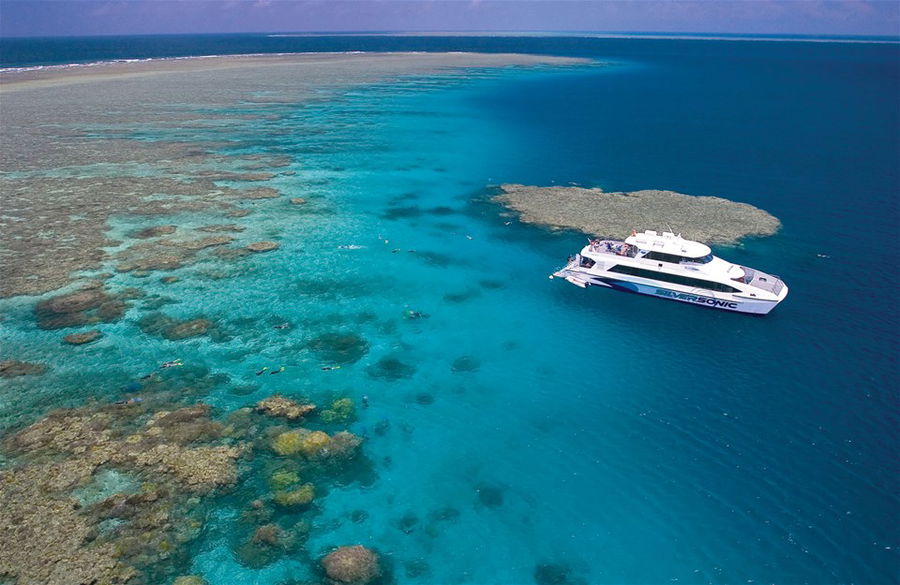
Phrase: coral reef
(316, 445)
(266, 545)
(14, 368)
(153, 232)
(82, 338)
(162, 325)
(165, 253)
(54, 224)
(91, 304)
(61, 541)
(390, 368)
(228, 227)
(283, 478)
(190, 580)
(598, 213)
(351, 565)
(341, 410)
(465, 363)
(297, 497)
(49, 533)
(339, 348)
(263, 246)
(283, 407)
(556, 574)
(302, 441)
(260, 193)
(489, 495)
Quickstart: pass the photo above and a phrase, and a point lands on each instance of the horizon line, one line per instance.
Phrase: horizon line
(506, 33)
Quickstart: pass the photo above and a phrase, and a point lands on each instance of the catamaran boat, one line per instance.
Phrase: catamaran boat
(668, 266)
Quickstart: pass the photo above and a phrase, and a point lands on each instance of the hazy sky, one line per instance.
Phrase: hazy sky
(101, 17)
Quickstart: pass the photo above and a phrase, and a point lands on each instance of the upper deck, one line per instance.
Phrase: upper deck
(668, 243)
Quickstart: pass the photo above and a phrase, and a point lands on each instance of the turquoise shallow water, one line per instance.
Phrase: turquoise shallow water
(531, 422)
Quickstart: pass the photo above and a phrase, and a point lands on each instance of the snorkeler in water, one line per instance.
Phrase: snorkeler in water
(284, 325)
(328, 368)
(262, 371)
(411, 314)
(172, 364)
(278, 371)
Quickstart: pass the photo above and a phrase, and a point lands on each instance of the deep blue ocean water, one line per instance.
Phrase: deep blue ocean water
(635, 440)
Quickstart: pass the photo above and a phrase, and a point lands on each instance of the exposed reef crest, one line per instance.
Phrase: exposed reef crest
(615, 214)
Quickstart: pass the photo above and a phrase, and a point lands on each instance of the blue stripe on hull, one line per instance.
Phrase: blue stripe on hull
(698, 300)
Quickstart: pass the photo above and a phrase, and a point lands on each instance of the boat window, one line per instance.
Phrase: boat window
(663, 257)
(700, 260)
(674, 278)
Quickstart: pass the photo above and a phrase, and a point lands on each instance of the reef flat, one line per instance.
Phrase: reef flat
(615, 214)
(115, 492)
(83, 143)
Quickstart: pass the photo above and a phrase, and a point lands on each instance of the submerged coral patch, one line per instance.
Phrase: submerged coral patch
(15, 368)
(465, 363)
(461, 296)
(265, 246)
(82, 338)
(341, 410)
(390, 368)
(162, 325)
(153, 231)
(339, 348)
(92, 304)
(489, 495)
(556, 574)
(408, 212)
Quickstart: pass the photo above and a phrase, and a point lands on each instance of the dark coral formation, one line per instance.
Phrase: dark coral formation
(92, 304)
(154, 231)
(390, 368)
(339, 348)
(15, 368)
(556, 574)
(165, 254)
(489, 495)
(465, 363)
(167, 327)
(83, 338)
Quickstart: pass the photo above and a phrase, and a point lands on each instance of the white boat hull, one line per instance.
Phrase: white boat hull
(705, 298)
